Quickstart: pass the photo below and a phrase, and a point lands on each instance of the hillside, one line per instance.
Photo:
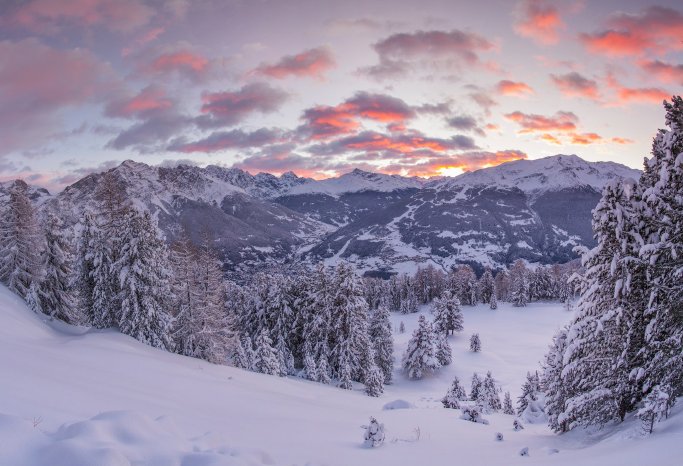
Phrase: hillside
(75, 397)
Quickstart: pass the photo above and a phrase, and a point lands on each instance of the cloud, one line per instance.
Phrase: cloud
(151, 134)
(229, 108)
(666, 72)
(52, 16)
(324, 122)
(310, 63)
(402, 52)
(512, 88)
(627, 95)
(655, 29)
(575, 85)
(617, 140)
(37, 82)
(465, 123)
(223, 140)
(183, 62)
(467, 161)
(532, 123)
(539, 21)
(405, 143)
(150, 99)
(483, 99)
(584, 139)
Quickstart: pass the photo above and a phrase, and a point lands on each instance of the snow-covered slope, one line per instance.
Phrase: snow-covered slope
(70, 397)
(546, 174)
(356, 181)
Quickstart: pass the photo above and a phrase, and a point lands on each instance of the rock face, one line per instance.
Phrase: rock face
(532, 209)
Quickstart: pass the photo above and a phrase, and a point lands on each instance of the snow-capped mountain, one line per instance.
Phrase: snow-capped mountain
(36, 194)
(538, 210)
(541, 175)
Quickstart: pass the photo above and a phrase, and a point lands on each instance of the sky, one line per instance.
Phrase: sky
(416, 88)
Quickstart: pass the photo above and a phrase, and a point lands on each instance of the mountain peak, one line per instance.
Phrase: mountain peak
(551, 173)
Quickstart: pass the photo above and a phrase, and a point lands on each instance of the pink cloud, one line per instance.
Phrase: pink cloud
(512, 88)
(231, 107)
(434, 44)
(666, 72)
(185, 62)
(627, 95)
(655, 29)
(49, 16)
(151, 99)
(532, 123)
(310, 63)
(574, 84)
(539, 21)
(37, 82)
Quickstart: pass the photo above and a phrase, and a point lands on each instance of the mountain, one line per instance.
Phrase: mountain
(37, 195)
(538, 210)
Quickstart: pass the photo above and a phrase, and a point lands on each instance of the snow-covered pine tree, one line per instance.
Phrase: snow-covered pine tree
(655, 408)
(507, 404)
(493, 304)
(349, 334)
(184, 287)
(475, 343)
(456, 394)
(444, 354)
(519, 284)
(55, 288)
(486, 286)
(607, 333)
(556, 392)
(530, 392)
(266, 359)
(382, 341)
(662, 186)
(402, 327)
(476, 389)
(374, 381)
(310, 371)
(490, 394)
(144, 282)
(420, 355)
(463, 283)
(241, 353)
(447, 314)
(323, 369)
(20, 242)
(86, 267)
(502, 281)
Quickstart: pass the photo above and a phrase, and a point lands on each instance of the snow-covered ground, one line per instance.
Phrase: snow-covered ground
(72, 397)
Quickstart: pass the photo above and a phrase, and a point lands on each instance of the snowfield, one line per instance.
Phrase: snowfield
(72, 397)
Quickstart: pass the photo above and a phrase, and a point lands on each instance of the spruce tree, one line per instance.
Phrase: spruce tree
(55, 288)
(490, 394)
(475, 343)
(144, 282)
(420, 355)
(382, 341)
(556, 392)
(487, 287)
(20, 242)
(444, 354)
(455, 395)
(447, 314)
(519, 284)
(507, 404)
(265, 356)
(476, 389)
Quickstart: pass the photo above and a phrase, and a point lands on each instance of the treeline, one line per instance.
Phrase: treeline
(518, 284)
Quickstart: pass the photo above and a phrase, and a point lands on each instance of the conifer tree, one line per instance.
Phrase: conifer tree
(144, 282)
(490, 394)
(519, 284)
(493, 304)
(507, 404)
(530, 392)
(374, 382)
(55, 290)
(265, 356)
(487, 287)
(556, 392)
(420, 356)
(455, 395)
(444, 353)
(476, 389)
(447, 314)
(20, 242)
(382, 341)
(475, 343)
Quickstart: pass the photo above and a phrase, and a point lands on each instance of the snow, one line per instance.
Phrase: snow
(73, 396)
(541, 175)
(356, 181)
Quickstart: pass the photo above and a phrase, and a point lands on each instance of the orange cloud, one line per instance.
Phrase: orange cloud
(311, 63)
(512, 88)
(539, 21)
(618, 140)
(626, 95)
(655, 29)
(532, 123)
(550, 138)
(664, 71)
(574, 84)
(585, 139)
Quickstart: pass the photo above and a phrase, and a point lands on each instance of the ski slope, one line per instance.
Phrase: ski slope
(74, 397)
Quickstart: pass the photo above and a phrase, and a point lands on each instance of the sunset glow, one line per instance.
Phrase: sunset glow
(381, 86)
